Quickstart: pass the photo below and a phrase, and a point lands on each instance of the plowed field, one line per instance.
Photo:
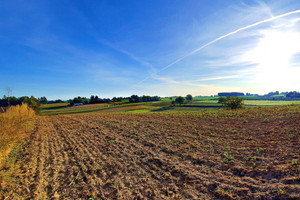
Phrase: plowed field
(248, 154)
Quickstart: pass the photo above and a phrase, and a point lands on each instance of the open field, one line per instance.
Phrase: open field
(100, 108)
(270, 103)
(209, 154)
(160, 106)
(255, 102)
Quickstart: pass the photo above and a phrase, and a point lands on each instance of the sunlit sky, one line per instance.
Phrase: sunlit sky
(62, 49)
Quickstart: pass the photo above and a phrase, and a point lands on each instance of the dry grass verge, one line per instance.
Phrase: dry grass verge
(15, 123)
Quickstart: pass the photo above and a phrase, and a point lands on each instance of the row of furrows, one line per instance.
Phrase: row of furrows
(135, 148)
(119, 156)
(58, 170)
(79, 182)
(89, 143)
(240, 183)
(197, 173)
(31, 167)
(76, 157)
(226, 138)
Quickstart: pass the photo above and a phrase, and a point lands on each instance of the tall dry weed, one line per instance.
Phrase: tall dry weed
(15, 123)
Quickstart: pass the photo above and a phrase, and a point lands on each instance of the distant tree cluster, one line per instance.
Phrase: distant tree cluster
(272, 94)
(119, 99)
(144, 98)
(95, 99)
(12, 101)
(181, 100)
(230, 94)
(293, 94)
(43, 99)
(78, 99)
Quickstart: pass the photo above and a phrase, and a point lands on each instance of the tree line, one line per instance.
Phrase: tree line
(181, 100)
(293, 94)
(95, 99)
(12, 101)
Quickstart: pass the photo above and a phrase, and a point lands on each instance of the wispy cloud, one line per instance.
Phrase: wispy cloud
(223, 37)
(219, 78)
(229, 34)
(127, 53)
(91, 30)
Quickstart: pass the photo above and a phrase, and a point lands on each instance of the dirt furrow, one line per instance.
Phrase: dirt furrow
(162, 156)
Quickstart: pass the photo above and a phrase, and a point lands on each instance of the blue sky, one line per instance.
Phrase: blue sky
(62, 49)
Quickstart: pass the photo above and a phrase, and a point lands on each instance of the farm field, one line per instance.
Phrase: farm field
(145, 107)
(63, 108)
(209, 154)
(270, 103)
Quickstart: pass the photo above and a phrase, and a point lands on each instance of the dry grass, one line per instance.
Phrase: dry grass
(15, 123)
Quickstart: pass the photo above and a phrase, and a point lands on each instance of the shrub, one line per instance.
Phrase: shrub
(189, 97)
(232, 102)
(222, 100)
(179, 100)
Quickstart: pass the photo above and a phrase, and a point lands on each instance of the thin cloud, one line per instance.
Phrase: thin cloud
(218, 78)
(227, 35)
(130, 55)
(94, 33)
(170, 80)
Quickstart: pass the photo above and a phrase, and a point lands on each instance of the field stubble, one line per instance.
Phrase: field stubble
(180, 155)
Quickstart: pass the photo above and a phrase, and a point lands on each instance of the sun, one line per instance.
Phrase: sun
(273, 55)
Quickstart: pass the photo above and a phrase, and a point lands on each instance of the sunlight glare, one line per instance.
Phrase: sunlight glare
(273, 55)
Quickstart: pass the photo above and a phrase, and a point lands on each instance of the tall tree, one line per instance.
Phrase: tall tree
(43, 99)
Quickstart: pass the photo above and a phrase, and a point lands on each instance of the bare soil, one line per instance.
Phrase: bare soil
(244, 154)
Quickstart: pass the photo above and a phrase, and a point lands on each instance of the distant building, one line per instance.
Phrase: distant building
(230, 94)
(78, 104)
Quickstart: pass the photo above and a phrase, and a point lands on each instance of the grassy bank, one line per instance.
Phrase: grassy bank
(15, 124)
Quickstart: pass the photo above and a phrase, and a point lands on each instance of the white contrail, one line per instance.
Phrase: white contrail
(224, 36)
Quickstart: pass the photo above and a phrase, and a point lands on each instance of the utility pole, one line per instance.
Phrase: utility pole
(9, 92)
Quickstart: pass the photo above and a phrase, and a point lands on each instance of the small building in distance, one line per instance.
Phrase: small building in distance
(230, 94)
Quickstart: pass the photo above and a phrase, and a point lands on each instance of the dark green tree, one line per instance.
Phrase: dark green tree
(43, 100)
(58, 101)
(222, 100)
(97, 100)
(234, 102)
(134, 99)
(32, 102)
(92, 99)
(189, 97)
(179, 100)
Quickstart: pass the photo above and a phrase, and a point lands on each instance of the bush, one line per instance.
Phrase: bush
(179, 100)
(232, 102)
(222, 100)
(189, 97)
